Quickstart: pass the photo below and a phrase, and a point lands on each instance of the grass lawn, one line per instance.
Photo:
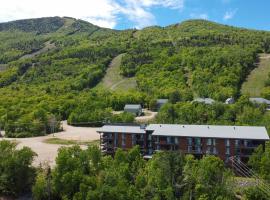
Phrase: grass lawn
(70, 142)
(256, 80)
(113, 80)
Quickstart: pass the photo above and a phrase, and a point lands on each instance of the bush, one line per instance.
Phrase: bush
(16, 173)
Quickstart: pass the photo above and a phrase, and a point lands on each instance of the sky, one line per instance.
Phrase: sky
(124, 14)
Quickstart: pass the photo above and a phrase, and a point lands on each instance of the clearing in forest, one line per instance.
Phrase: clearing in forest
(113, 80)
(256, 80)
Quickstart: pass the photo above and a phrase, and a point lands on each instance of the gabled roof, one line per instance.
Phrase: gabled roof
(209, 131)
(204, 100)
(259, 100)
(121, 129)
(162, 101)
(133, 106)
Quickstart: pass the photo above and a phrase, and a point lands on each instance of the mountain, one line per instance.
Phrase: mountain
(52, 67)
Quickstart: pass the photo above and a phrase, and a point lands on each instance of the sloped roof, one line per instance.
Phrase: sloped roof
(259, 100)
(162, 101)
(210, 131)
(121, 129)
(133, 106)
(204, 100)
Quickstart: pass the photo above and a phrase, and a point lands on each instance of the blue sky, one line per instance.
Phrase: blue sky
(123, 14)
(242, 13)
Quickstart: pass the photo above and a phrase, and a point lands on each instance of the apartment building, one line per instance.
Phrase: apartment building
(199, 140)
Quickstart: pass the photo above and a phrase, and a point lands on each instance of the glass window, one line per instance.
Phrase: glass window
(189, 141)
(197, 141)
(133, 139)
(227, 142)
(227, 150)
(208, 150)
(237, 143)
(198, 149)
(176, 141)
(168, 140)
(189, 149)
(123, 139)
(149, 137)
(209, 141)
(214, 142)
(215, 150)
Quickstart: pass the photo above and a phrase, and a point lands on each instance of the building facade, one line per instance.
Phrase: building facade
(198, 140)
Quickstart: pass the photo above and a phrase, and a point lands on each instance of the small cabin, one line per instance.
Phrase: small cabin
(135, 109)
(161, 102)
(230, 101)
(204, 100)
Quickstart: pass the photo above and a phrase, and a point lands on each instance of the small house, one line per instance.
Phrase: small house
(204, 100)
(161, 102)
(230, 101)
(259, 100)
(136, 109)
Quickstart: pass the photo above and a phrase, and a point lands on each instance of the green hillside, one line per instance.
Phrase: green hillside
(258, 78)
(60, 68)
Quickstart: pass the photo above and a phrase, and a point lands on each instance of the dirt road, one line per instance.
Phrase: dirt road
(48, 152)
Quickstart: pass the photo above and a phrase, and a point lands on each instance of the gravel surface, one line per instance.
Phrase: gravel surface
(48, 152)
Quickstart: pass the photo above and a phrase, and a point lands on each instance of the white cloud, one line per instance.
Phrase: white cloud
(104, 13)
(229, 14)
(199, 16)
(138, 11)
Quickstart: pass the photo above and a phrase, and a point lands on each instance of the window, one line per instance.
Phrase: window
(116, 139)
(237, 143)
(123, 140)
(227, 159)
(189, 141)
(149, 137)
(214, 142)
(198, 149)
(209, 141)
(198, 141)
(158, 147)
(227, 150)
(227, 142)
(189, 149)
(157, 140)
(133, 139)
(215, 150)
(208, 150)
(141, 137)
(168, 140)
(176, 141)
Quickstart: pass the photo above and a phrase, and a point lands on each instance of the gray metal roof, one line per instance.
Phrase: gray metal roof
(121, 129)
(133, 106)
(162, 101)
(205, 131)
(259, 100)
(204, 100)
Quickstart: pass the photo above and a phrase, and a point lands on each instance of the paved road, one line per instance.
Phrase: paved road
(48, 152)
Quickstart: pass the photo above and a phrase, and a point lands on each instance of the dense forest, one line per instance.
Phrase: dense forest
(86, 174)
(50, 69)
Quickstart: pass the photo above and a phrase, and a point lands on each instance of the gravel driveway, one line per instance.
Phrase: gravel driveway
(48, 152)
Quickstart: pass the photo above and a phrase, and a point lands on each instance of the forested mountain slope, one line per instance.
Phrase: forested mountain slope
(194, 58)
